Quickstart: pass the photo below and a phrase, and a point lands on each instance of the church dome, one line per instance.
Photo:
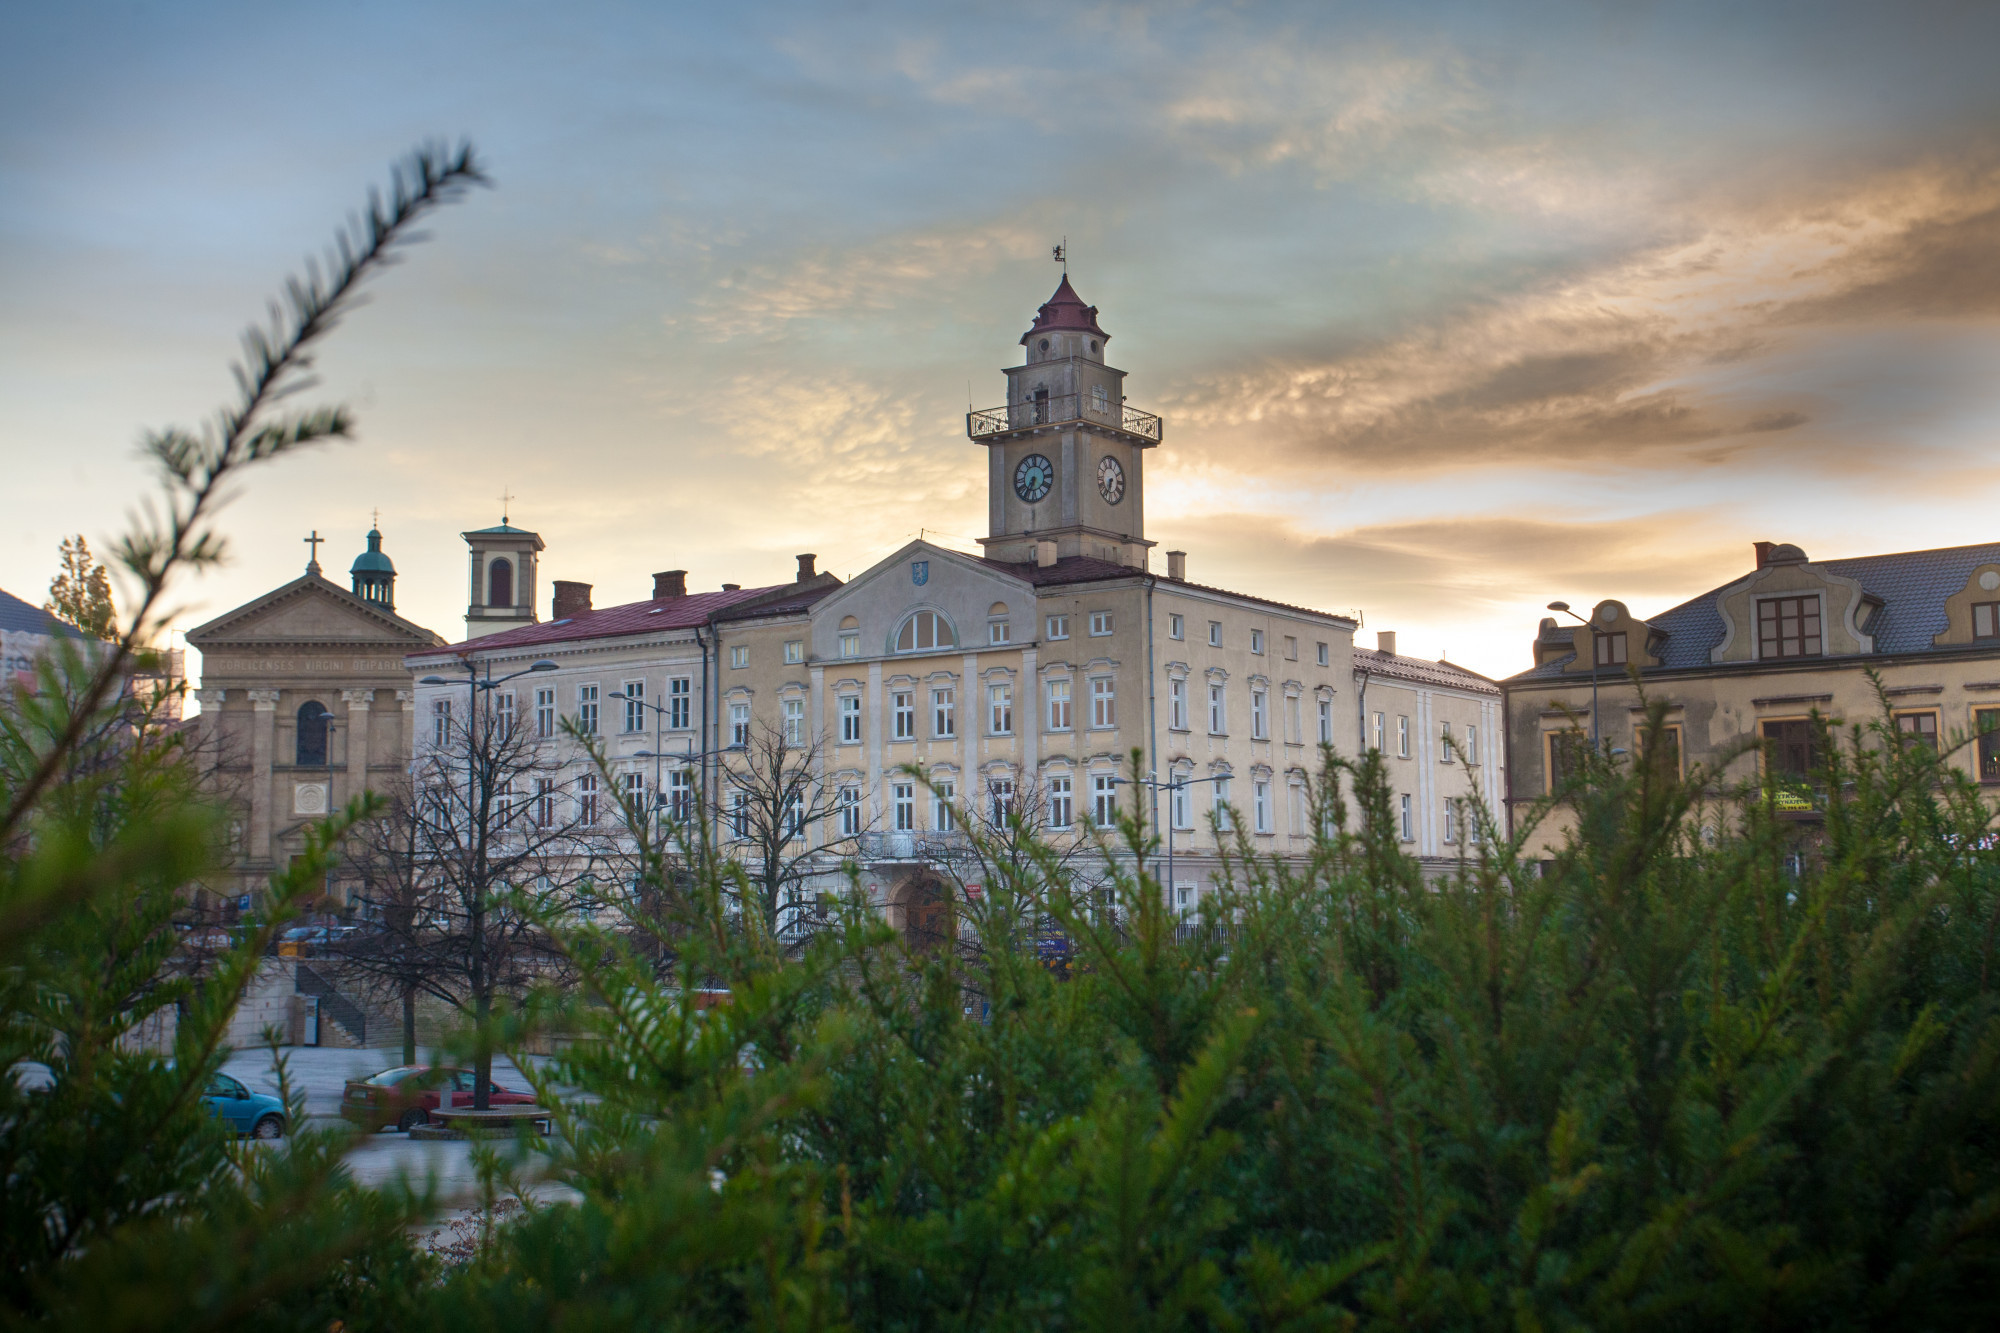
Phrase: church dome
(372, 561)
(374, 574)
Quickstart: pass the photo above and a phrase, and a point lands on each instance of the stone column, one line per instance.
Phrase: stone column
(358, 742)
(263, 785)
(406, 747)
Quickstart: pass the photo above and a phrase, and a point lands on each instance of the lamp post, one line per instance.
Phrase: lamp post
(1595, 632)
(476, 915)
(1170, 786)
(686, 757)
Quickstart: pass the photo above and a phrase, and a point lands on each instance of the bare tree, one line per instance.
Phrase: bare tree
(491, 815)
(785, 824)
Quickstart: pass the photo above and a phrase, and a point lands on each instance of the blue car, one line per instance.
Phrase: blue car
(253, 1113)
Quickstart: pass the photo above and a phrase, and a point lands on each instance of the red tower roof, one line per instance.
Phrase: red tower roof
(1065, 310)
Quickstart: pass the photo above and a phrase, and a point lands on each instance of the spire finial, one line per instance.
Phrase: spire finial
(506, 497)
(312, 565)
(1061, 255)
(375, 518)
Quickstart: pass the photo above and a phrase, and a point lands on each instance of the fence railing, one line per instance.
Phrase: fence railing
(1058, 408)
(332, 1004)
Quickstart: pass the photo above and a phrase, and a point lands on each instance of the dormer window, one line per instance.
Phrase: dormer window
(1789, 627)
(1986, 620)
(1611, 649)
(924, 632)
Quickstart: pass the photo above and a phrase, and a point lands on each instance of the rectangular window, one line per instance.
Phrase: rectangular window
(586, 709)
(1566, 751)
(792, 824)
(943, 818)
(1257, 642)
(739, 656)
(850, 645)
(795, 651)
(1260, 805)
(795, 721)
(1471, 743)
(1100, 623)
(849, 804)
(1326, 721)
(1177, 717)
(739, 725)
(850, 719)
(1788, 627)
(1000, 798)
(1917, 729)
(1104, 799)
(1260, 724)
(1291, 648)
(1986, 722)
(1215, 633)
(903, 715)
(1180, 809)
(1325, 657)
(1986, 620)
(635, 790)
(680, 703)
(586, 798)
(903, 805)
(1217, 715)
(1222, 819)
(1402, 738)
(999, 631)
(440, 723)
(1450, 819)
(1000, 710)
(635, 705)
(1103, 702)
(1445, 752)
(680, 794)
(1058, 627)
(1176, 627)
(1665, 754)
(1406, 826)
(1062, 803)
(944, 713)
(1610, 648)
(503, 712)
(1058, 705)
(1296, 808)
(545, 802)
(1789, 747)
(739, 814)
(545, 713)
(1295, 727)
(1375, 731)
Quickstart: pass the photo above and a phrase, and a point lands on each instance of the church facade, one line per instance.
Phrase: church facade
(1022, 677)
(305, 703)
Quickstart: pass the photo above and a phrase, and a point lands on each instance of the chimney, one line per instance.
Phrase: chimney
(1177, 566)
(571, 599)
(672, 583)
(1763, 550)
(732, 587)
(806, 566)
(1045, 554)
(1385, 641)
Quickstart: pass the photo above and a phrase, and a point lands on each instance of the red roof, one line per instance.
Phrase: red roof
(1088, 569)
(611, 621)
(1065, 310)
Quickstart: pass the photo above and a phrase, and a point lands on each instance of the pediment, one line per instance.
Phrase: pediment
(922, 577)
(311, 610)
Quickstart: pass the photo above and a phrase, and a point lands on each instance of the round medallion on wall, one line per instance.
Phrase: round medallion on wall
(1033, 478)
(1110, 479)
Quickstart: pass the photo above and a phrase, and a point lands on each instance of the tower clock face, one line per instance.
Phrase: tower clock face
(1033, 478)
(1110, 479)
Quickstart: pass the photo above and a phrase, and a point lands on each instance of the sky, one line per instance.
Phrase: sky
(1451, 310)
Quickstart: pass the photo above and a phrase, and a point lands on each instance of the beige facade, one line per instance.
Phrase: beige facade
(1442, 735)
(1743, 668)
(272, 670)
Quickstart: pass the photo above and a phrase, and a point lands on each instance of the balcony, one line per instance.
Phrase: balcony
(930, 848)
(1062, 408)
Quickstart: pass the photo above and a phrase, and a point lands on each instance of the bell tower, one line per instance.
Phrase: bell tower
(1066, 455)
(503, 578)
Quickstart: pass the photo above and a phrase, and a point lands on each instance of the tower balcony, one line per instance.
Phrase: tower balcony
(1060, 409)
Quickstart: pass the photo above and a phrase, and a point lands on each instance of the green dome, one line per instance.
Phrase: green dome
(372, 561)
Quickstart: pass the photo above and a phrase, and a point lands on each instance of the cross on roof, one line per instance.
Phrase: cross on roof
(312, 565)
(505, 497)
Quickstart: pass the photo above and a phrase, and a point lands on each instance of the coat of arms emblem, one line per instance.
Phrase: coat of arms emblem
(920, 572)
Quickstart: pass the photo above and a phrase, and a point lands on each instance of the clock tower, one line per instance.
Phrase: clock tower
(1066, 455)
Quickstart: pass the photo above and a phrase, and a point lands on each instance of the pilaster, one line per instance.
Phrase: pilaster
(263, 740)
(359, 747)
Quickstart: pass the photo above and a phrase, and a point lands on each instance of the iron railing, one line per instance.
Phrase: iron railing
(1060, 408)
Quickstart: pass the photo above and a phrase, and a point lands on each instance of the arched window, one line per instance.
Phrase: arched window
(924, 631)
(312, 734)
(500, 583)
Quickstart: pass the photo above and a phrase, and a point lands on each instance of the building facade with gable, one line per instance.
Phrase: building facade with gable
(1441, 732)
(1033, 669)
(305, 704)
(1743, 668)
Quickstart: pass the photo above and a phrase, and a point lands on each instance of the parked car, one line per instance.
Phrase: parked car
(406, 1095)
(257, 1114)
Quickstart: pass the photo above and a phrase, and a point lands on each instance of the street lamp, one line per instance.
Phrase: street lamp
(1170, 786)
(1590, 625)
(686, 756)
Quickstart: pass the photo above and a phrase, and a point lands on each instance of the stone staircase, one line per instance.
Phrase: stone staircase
(341, 1020)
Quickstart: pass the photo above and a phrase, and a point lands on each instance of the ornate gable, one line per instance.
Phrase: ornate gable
(311, 610)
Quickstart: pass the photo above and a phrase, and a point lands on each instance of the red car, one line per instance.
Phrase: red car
(406, 1095)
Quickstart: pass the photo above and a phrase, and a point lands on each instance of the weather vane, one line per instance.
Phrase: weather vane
(1061, 255)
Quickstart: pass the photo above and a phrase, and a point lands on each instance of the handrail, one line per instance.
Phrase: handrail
(1063, 407)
